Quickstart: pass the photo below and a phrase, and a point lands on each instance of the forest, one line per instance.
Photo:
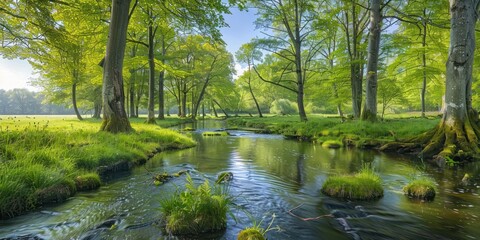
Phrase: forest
(335, 72)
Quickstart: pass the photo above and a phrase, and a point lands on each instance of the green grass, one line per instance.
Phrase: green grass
(353, 132)
(421, 188)
(365, 185)
(196, 210)
(54, 153)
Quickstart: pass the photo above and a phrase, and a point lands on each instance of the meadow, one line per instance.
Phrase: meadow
(46, 159)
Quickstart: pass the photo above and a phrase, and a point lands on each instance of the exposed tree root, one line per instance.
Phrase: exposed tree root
(456, 141)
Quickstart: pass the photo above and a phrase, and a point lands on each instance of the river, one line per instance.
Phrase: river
(272, 177)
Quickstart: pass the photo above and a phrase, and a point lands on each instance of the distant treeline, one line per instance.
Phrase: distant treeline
(23, 101)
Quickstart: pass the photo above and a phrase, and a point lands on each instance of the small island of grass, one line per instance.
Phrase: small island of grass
(196, 210)
(421, 188)
(365, 185)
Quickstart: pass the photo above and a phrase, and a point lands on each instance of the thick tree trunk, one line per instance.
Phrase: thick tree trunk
(370, 109)
(151, 77)
(115, 118)
(456, 136)
(74, 101)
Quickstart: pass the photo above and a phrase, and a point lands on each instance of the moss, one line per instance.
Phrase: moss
(365, 185)
(87, 181)
(250, 234)
(422, 188)
(188, 129)
(332, 144)
(218, 133)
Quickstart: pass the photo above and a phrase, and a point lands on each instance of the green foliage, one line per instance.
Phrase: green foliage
(87, 181)
(196, 210)
(421, 188)
(42, 159)
(216, 133)
(365, 185)
(283, 107)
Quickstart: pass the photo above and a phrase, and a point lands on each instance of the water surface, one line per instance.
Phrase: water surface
(272, 177)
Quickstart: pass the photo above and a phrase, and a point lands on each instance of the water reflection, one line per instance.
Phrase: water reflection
(271, 176)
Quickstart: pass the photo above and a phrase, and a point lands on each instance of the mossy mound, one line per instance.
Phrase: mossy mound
(365, 185)
(423, 189)
(217, 133)
(188, 129)
(250, 234)
(332, 144)
(88, 181)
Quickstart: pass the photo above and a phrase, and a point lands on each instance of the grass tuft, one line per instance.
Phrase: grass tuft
(365, 185)
(422, 188)
(196, 210)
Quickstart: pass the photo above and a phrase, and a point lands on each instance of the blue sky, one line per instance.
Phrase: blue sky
(17, 73)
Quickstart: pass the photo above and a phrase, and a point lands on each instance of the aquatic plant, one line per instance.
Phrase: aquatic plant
(365, 185)
(196, 210)
(256, 232)
(224, 177)
(421, 188)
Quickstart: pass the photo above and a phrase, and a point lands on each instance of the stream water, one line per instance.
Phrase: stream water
(272, 177)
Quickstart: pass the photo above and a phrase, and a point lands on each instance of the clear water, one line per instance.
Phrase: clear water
(272, 176)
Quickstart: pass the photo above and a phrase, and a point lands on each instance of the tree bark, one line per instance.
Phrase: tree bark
(370, 109)
(424, 63)
(74, 101)
(151, 76)
(456, 136)
(161, 82)
(115, 118)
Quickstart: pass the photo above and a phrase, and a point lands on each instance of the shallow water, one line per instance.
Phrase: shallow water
(272, 176)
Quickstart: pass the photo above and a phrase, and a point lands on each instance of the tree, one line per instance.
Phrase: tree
(248, 54)
(354, 20)
(114, 117)
(456, 136)
(370, 109)
(291, 23)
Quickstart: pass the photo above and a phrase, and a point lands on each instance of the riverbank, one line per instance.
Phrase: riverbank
(47, 159)
(332, 132)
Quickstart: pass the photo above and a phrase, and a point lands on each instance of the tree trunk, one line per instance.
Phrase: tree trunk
(253, 95)
(161, 81)
(218, 104)
(424, 63)
(456, 136)
(114, 117)
(74, 101)
(370, 109)
(151, 77)
(97, 106)
(214, 110)
(339, 105)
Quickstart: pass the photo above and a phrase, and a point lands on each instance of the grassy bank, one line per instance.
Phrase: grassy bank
(47, 159)
(351, 132)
